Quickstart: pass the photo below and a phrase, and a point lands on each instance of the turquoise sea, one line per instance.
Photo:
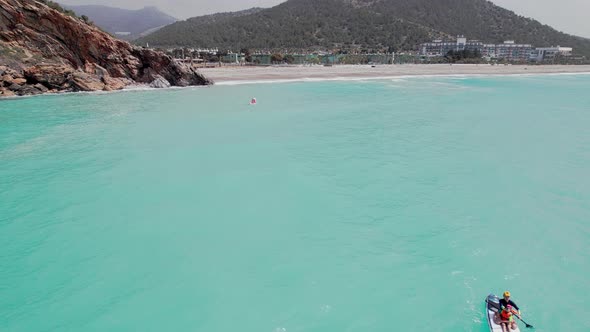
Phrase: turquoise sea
(389, 205)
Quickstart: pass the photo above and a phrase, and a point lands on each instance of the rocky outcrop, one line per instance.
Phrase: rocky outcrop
(43, 50)
(160, 82)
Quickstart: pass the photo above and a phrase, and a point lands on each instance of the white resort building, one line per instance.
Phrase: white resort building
(548, 53)
(508, 50)
(441, 48)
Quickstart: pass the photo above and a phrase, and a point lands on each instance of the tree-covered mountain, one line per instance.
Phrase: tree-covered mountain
(124, 23)
(400, 24)
(296, 24)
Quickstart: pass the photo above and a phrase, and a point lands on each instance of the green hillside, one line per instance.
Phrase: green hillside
(296, 24)
(399, 24)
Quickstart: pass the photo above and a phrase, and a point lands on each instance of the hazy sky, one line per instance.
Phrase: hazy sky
(570, 16)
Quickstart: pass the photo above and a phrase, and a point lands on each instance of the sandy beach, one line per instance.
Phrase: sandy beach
(243, 74)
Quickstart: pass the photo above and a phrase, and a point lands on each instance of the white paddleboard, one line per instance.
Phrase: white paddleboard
(492, 307)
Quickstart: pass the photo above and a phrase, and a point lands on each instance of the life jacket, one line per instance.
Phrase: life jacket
(506, 314)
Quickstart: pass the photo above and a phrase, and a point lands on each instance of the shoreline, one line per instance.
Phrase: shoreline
(233, 75)
(138, 87)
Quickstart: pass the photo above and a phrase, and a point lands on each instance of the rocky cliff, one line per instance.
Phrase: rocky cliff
(43, 50)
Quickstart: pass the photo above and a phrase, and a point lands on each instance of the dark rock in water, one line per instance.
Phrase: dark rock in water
(41, 47)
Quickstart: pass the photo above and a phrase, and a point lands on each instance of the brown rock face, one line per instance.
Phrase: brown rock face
(7, 93)
(42, 49)
(52, 76)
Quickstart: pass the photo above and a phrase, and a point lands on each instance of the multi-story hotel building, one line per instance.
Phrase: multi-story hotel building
(441, 48)
(549, 53)
(508, 50)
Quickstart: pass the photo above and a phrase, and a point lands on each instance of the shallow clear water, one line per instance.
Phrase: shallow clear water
(329, 206)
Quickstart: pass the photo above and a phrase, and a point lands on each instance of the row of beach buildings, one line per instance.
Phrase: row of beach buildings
(508, 50)
(263, 57)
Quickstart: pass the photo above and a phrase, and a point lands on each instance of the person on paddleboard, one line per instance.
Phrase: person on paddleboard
(506, 302)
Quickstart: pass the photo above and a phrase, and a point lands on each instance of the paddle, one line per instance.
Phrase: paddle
(529, 326)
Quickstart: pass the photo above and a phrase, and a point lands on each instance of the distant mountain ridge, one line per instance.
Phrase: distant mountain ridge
(396, 24)
(221, 17)
(116, 20)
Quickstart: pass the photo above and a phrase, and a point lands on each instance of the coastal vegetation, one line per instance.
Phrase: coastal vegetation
(464, 56)
(58, 7)
(66, 11)
(394, 25)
